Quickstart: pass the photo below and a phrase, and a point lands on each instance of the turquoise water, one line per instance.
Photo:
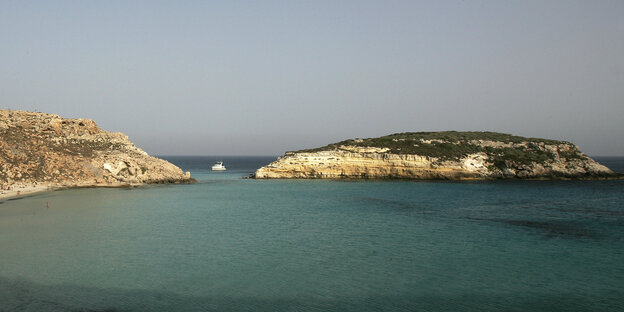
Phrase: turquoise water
(228, 243)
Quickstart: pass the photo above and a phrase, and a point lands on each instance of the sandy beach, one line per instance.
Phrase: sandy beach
(16, 191)
(24, 190)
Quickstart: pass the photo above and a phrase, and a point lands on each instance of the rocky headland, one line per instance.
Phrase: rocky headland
(448, 155)
(42, 151)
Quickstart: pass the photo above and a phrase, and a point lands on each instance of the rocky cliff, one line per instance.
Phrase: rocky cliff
(440, 155)
(43, 149)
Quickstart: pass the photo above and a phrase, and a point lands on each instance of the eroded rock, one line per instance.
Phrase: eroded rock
(440, 155)
(38, 147)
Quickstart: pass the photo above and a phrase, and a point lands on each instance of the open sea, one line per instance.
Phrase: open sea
(233, 244)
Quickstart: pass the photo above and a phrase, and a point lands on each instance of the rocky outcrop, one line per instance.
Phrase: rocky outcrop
(440, 155)
(44, 149)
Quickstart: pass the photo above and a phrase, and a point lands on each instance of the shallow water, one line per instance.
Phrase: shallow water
(228, 243)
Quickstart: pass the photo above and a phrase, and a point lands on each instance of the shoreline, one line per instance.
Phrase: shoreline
(28, 190)
(616, 176)
(19, 191)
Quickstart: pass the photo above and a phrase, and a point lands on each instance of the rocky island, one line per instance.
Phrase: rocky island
(42, 151)
(447, 155)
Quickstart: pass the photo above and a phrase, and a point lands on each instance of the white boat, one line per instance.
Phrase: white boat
(218, 166)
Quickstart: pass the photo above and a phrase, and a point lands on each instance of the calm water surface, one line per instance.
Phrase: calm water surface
(228, 243)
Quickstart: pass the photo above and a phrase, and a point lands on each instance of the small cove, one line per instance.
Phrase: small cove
(228, 243)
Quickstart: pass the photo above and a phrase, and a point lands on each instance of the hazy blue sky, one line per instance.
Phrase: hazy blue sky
(263, 77)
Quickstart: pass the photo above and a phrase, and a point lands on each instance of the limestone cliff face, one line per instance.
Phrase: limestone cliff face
(440, 155)
(44, 149)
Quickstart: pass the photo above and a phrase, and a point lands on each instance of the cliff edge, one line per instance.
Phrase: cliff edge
(440, 155)
(47, 151)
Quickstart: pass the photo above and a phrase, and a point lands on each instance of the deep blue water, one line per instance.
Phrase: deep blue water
(227, 243)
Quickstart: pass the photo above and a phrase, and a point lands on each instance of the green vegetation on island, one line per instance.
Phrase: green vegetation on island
(453, 145)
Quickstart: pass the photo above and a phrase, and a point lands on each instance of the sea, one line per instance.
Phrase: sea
(227, 243)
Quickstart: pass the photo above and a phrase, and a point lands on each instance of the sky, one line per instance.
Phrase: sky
(265, 77)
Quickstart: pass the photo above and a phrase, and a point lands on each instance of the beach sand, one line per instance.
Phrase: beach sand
(17, 191)
(24, 190)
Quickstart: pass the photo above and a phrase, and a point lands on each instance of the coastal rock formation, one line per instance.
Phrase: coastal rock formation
(47, 150)
(439, 155)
